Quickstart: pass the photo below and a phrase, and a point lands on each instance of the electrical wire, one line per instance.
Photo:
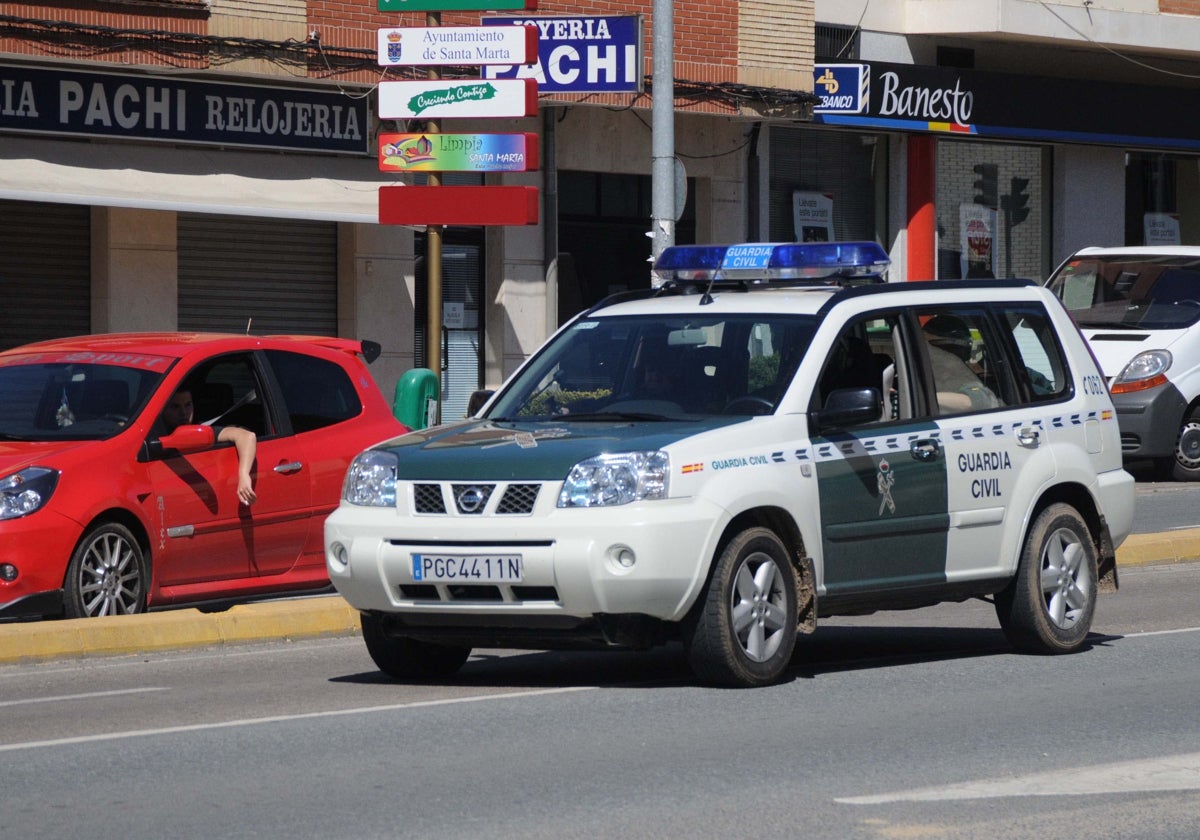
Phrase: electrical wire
(314, 59)
(1109, 49)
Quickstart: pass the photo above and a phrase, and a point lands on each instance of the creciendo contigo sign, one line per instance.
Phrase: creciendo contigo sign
(41, 100)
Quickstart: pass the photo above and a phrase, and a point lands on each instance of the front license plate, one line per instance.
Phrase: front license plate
(466, 568)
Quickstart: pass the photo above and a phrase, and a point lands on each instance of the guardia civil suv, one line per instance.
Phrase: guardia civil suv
(769, 436)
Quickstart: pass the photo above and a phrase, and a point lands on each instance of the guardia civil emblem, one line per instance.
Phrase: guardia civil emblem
(884, 479)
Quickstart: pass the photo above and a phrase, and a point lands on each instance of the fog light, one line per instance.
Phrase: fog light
(621, 558)
(338, 552)
(8, 572)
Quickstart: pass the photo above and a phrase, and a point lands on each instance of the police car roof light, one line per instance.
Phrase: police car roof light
(759, 262)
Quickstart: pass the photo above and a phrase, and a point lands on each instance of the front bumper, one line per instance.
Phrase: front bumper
(1150, 421)
(571, 578)
(40, 546)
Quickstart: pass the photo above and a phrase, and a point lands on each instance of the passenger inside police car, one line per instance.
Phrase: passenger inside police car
(958, 385)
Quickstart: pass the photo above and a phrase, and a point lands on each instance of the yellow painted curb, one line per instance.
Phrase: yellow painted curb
(174, 629)
(1165, 547)
(332, 616)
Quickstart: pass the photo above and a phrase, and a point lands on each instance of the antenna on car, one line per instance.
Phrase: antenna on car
(249, 321)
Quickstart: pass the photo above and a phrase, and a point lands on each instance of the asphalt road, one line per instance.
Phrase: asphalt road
(1165, 506)
(920, 724)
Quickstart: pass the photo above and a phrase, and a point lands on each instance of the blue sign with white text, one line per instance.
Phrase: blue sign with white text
(842, 88)
(579, 54)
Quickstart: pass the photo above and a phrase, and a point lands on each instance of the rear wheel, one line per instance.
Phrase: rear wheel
(744, 630)
(1048, 607)
(107, 574)
(402, 658)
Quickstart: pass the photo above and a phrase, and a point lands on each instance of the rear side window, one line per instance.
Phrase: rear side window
(316, 392)
(965, 359)
(1039, 354)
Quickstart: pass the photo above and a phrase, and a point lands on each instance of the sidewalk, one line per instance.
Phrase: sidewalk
(329, 615)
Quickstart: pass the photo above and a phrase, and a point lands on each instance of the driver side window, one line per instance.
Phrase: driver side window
(867, 354)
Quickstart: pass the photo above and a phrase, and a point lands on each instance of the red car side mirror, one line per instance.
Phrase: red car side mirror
(189, 438)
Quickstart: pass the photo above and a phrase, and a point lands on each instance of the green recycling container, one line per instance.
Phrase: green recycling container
(416, 401)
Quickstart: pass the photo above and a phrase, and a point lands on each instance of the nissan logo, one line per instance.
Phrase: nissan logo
(471, 500)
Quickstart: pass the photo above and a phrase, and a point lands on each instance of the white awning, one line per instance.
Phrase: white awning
(194, 179)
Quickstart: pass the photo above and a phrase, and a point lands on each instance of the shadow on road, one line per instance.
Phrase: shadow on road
(830, 650)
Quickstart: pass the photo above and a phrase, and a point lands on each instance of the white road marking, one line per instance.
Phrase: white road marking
(1160, 632)
(89, 696)
(199, 727)
(1179, 772)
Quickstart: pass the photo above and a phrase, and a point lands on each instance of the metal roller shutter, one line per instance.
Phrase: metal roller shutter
(45, 272)
(239, 273)
(838, 163)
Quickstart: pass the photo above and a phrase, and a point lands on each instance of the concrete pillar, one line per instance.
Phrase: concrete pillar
(135, 270)
(376, 295)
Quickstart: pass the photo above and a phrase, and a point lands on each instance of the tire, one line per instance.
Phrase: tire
(402, 658)
(1048, 608)
(1185, 463)
(107, 575)
(743, 630)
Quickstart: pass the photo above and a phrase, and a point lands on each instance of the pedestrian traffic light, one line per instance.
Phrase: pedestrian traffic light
(986, 184)
(1016, 203)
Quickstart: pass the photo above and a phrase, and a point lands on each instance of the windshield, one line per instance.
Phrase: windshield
(1131, 292)
(58, 400)
(647, 368)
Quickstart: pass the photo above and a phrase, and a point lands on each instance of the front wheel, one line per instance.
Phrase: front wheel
(402, 658)
(1048, 607)
(107, 574)
(743, 631)
(1185, 465)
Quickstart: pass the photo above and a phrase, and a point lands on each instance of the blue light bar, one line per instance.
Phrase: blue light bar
(762, 262)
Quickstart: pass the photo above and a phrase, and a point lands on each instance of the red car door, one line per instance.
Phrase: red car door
(205, 534)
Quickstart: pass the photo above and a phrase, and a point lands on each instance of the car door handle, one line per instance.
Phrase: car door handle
(926, 449)
(1028, 437)
(294, 466)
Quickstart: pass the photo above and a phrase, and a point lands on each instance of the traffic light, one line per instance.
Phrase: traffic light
(986, 187)
(1016, 203)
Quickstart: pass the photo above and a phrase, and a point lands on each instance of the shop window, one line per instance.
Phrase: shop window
(1161, 205)
(992, 214)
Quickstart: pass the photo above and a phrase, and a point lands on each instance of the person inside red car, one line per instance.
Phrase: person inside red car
(178, 412)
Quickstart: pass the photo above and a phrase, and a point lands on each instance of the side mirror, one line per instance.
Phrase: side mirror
(849, 407)
(191, 438)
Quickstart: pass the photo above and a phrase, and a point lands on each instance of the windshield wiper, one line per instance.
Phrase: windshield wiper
(1110, 325)
(602, 416)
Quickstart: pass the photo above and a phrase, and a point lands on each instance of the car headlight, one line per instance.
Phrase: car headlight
(371, 479)
(26, 491)
(1145, 370)
(616, 479)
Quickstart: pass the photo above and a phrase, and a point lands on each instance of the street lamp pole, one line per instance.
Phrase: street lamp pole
(663, 210)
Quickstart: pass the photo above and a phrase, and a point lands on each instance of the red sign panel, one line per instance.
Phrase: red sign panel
(442, 205)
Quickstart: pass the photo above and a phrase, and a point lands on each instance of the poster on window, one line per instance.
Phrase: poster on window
(812, 216)
(977, 226)
(1161, 228)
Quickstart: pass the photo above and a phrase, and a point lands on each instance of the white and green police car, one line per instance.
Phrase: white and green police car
(769, 436)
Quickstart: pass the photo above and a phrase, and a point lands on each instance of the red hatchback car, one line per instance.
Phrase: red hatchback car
(102, 512)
